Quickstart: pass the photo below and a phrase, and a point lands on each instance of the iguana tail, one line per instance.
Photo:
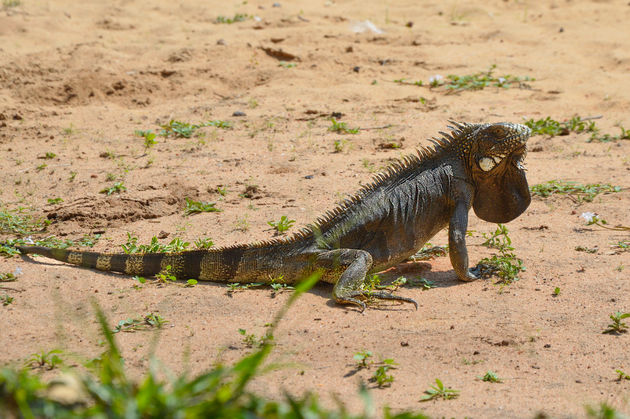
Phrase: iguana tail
(236, 263)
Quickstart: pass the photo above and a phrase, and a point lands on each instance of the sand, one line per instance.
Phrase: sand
(77, 79)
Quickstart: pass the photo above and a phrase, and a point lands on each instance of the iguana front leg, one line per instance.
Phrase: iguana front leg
(457, 242)
(357, 263)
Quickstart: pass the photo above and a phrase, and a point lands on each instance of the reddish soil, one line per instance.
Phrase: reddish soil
(78, 78)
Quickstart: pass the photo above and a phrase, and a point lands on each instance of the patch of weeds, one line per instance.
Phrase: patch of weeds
(423, 283)
(117, 187)
(429, 252)
(48, 156)
(603, 412)
(149, 138)
(235, 286)
(242, 224)
(617, 326)
(594, 219)
(341, 127)
(491, 377)
(277, 286)
(6, 299)
(281, 226)
(222, 190)
(622, 375)
(439, 391)
(478, 81)
(252, 341)
(204, 243)
(73, 176)
(586, 249)
(196, 207)
(381, 376)
(8, 277)
(285, 64)
(506, 265)
(238, 17)
(132, 246)
(408, 82)
(608, 138)
(51, 241)
(45, 360)
(179, 129)
(551, 127)
(165, 276)
(362, 358)
(7, 4)
(340, 145)
(621, 246)
(147, 322)
(55, 201)
(19, 222)
(577, 192)
(41, 167)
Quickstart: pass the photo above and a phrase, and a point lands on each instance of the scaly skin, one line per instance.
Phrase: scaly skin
(475, 165)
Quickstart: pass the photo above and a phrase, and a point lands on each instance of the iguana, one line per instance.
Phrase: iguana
(386, 222)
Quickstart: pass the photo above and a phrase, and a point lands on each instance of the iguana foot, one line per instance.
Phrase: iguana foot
(373, 294)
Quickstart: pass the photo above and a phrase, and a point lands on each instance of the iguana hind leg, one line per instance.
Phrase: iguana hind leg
(348, 287)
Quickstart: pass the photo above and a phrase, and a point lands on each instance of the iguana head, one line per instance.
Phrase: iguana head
(494, 155)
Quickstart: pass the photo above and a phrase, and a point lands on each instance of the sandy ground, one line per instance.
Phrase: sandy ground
(78, 78)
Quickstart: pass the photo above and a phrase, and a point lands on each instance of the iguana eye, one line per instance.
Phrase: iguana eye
(498, 131)
(486, 164)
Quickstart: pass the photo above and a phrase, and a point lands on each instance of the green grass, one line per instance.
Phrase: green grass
(132, 246)
(439, 391)
(282, 225)
(577, 192)
(617, 326)
(196, 207)
(179, 129)
(147, 322)
(477, 81)
(20, 221)
(341, 127)
(44, 359)
(117, 187)
(506, 265)
(577, 124)
(238, 17)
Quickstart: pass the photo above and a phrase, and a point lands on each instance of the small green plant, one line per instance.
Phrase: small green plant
(594, 219)
(46, 360)
(196, 207)
(132, 246)
(149, 138)
(381, 376)
(439, 391)
(429, 252)
(617, 326)
(575, 191)
(41, 167)
(608, 138)
(551, 127)
(6, 299)
(278, 286)
(8, 277)
(165, 276)
(423, 283)
(222, 190)
(341, 127)
(147, 322)
(117, 187)
(362, 358)
(477, 81)
(72, 176)
(506, 265)
(251, 341)
(283, 225)
(238, 17)
(49, 155)
(235, 286)
(622, 375)
(204, 243)
(556, 291)
(411, 83)
(340, 145)
(491, 377)
(55, 201)
(179, 129)
(285, 64)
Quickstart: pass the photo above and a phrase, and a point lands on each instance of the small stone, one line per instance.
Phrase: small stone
(356, 69)
(308, 177)
(276, 5)
(239, 113)
(221, 42)
(349, 49)
(409, 24)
